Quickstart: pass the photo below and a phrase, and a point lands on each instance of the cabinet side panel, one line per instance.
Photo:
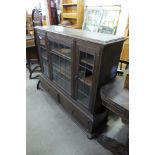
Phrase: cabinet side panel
(110, 59)
(108, 68)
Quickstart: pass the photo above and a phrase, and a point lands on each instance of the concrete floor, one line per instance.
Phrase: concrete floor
(50, 131)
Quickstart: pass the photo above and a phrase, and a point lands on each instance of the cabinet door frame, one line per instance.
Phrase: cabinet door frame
(93, 49)
(64, 40)
(42, 34)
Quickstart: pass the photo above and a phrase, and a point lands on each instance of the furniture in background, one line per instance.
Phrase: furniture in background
(72, 13)
(32, 56)
(125, 49)
(36, 17)
(53, 14)
(115, 97)
(29, 26)
(122, 67)
(103, 19)
(74, 65)
(31, 52)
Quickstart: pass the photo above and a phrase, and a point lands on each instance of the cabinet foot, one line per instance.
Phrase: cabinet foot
(38, 85)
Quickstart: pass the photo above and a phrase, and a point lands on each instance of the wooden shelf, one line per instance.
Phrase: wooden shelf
(74, 26)
(30, 43)
(72, 12)
(87, 80)
(61, 54)
(69, 4)
(70, 15)
(88, 61)
(91, 70)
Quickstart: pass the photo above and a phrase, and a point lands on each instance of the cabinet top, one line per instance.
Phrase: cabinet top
(100, 38)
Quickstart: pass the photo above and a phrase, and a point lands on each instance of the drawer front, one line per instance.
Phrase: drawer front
(79, 116)
(46, 86)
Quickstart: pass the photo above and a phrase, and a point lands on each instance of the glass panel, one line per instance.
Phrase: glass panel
(45, 67)
(42, 40)
(60, 49)
(61, 63)
(42, 51)
(84, 84)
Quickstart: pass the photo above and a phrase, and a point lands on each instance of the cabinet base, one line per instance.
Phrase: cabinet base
(91, 124)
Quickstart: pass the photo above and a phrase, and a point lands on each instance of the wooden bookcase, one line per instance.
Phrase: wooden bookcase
(75, 64)
(72, 11)
(125, 49)
(29, 25)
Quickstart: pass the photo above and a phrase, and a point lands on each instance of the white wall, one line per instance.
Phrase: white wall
(123, 15)
(30, 4)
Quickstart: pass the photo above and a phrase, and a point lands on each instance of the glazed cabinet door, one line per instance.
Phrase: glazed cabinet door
(43, 55)
(87, 56)
(60, 49)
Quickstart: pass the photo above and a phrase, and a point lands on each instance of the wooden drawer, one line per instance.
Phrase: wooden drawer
(81, 118)
(47, 87)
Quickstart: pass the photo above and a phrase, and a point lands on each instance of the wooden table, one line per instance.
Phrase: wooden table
(116, 99)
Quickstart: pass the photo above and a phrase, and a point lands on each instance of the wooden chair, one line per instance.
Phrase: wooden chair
(31, 51)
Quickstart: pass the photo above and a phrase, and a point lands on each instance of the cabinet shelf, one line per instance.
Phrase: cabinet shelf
(88, 61)
(86, 68)
(87, 80)
(70, 15)
(73, 26)
(59, 53)
(72, 12)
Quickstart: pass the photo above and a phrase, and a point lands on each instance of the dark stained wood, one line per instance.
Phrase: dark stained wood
(106, 51)
(94, 37)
